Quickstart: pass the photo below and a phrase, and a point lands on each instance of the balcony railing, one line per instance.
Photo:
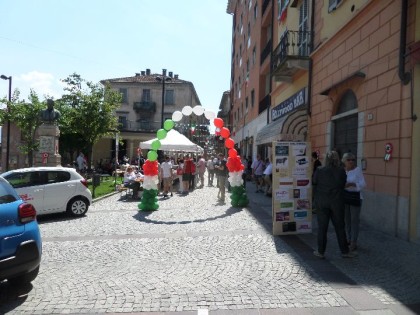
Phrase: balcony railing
(264, 104)
(140, 126)
(145, 106)
(266, 52)
(292, 53)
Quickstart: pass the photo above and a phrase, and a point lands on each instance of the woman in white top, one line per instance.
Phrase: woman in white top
(130, 181)
(355, 182)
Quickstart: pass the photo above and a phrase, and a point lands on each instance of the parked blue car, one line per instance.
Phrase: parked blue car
(20, 239)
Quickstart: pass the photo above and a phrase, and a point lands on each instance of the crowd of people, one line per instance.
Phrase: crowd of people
(337, 187)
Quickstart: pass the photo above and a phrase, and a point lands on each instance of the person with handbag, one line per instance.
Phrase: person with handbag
(352, 198)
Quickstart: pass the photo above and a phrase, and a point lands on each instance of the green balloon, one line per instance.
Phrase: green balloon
(161, 134)
(168, 124)
(152, 155)
(156, 145)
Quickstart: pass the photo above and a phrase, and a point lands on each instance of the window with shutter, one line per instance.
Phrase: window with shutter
(303, 28)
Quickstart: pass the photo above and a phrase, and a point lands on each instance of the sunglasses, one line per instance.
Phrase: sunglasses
(351, 160)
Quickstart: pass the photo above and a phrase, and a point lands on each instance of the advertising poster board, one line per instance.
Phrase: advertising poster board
(292, 191)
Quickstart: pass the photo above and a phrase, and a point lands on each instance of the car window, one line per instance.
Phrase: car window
(25, 179)
(57, 177)
(7, 193)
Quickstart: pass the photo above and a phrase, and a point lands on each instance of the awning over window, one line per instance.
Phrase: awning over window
(271, 132)
(288, 128)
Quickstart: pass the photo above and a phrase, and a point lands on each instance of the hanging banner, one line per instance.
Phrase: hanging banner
(292, 191)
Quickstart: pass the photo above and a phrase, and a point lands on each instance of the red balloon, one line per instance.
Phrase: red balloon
(218, 122)
(150, 168)
(225, 133)
(229, 143)
(233, 153)
(234, 164)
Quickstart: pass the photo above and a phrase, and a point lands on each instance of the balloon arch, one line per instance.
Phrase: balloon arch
(149, 201)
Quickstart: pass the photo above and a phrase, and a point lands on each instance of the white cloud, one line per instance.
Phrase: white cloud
(44, 84)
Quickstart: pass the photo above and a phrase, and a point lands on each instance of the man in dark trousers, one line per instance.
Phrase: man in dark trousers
(222, 173)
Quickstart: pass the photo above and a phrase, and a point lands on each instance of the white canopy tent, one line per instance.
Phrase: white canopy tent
(174, 141)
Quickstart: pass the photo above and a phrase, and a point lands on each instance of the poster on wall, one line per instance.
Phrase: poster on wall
(292, 191)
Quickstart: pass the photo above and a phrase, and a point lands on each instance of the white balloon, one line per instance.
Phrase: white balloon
(198, 110)
(176, 116)
(187, 110)
(209, 115)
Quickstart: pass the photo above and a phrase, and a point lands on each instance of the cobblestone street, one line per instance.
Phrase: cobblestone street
(197, 254)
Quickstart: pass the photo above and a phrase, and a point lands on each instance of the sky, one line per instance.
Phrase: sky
(44, 41)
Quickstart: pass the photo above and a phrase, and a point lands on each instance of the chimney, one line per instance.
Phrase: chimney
(176, 76)
(137, 74)
(171, 74)
(143, 73)
(147, 71)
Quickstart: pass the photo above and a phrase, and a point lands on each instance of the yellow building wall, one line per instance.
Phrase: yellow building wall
(339, 18)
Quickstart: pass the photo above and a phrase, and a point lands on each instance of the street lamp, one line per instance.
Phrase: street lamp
(163, 78)
(8, 120)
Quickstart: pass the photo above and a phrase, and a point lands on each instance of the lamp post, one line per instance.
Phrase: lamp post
(8, 120)
(163, 78)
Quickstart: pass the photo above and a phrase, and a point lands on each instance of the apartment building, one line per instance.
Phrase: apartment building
(147, 100)
(365, 99)
(250, 71)
(341, 74)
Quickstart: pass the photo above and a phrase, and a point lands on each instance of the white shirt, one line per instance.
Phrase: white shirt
(356, 176)
(129, 177)
(269, 169)
(166, 168)
(210, 165)
(80, 162)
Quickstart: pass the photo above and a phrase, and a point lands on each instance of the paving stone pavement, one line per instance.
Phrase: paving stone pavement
(197, 256)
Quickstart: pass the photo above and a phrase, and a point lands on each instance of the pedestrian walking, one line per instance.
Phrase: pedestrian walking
(187, 174)
(354, 185)
(257, 173)
(245, 171)
(166, 169)
(201, 169)
(81, 163)
(268, 176)
(329, 182)
(210, 170)
(222, 173)
(179, 172)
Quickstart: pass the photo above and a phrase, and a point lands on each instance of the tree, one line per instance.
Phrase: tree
(26, 117)
(88, 112)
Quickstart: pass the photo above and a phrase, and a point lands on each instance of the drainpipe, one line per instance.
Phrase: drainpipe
(405, 77)
(271, 59)
(311, 47)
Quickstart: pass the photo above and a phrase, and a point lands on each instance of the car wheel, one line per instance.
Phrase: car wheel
(25, 278)
(77, 206)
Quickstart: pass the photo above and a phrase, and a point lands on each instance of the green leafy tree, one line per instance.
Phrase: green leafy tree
(88, 113)
(25, 115)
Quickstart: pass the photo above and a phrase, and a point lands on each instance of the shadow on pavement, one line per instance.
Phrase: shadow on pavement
(143, 217)
(385, 263)
(13, 296)
(56, 217)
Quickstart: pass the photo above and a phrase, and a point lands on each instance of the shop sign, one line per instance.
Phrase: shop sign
(292, 103)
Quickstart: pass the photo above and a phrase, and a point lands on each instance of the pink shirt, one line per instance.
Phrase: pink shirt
(201, 165)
